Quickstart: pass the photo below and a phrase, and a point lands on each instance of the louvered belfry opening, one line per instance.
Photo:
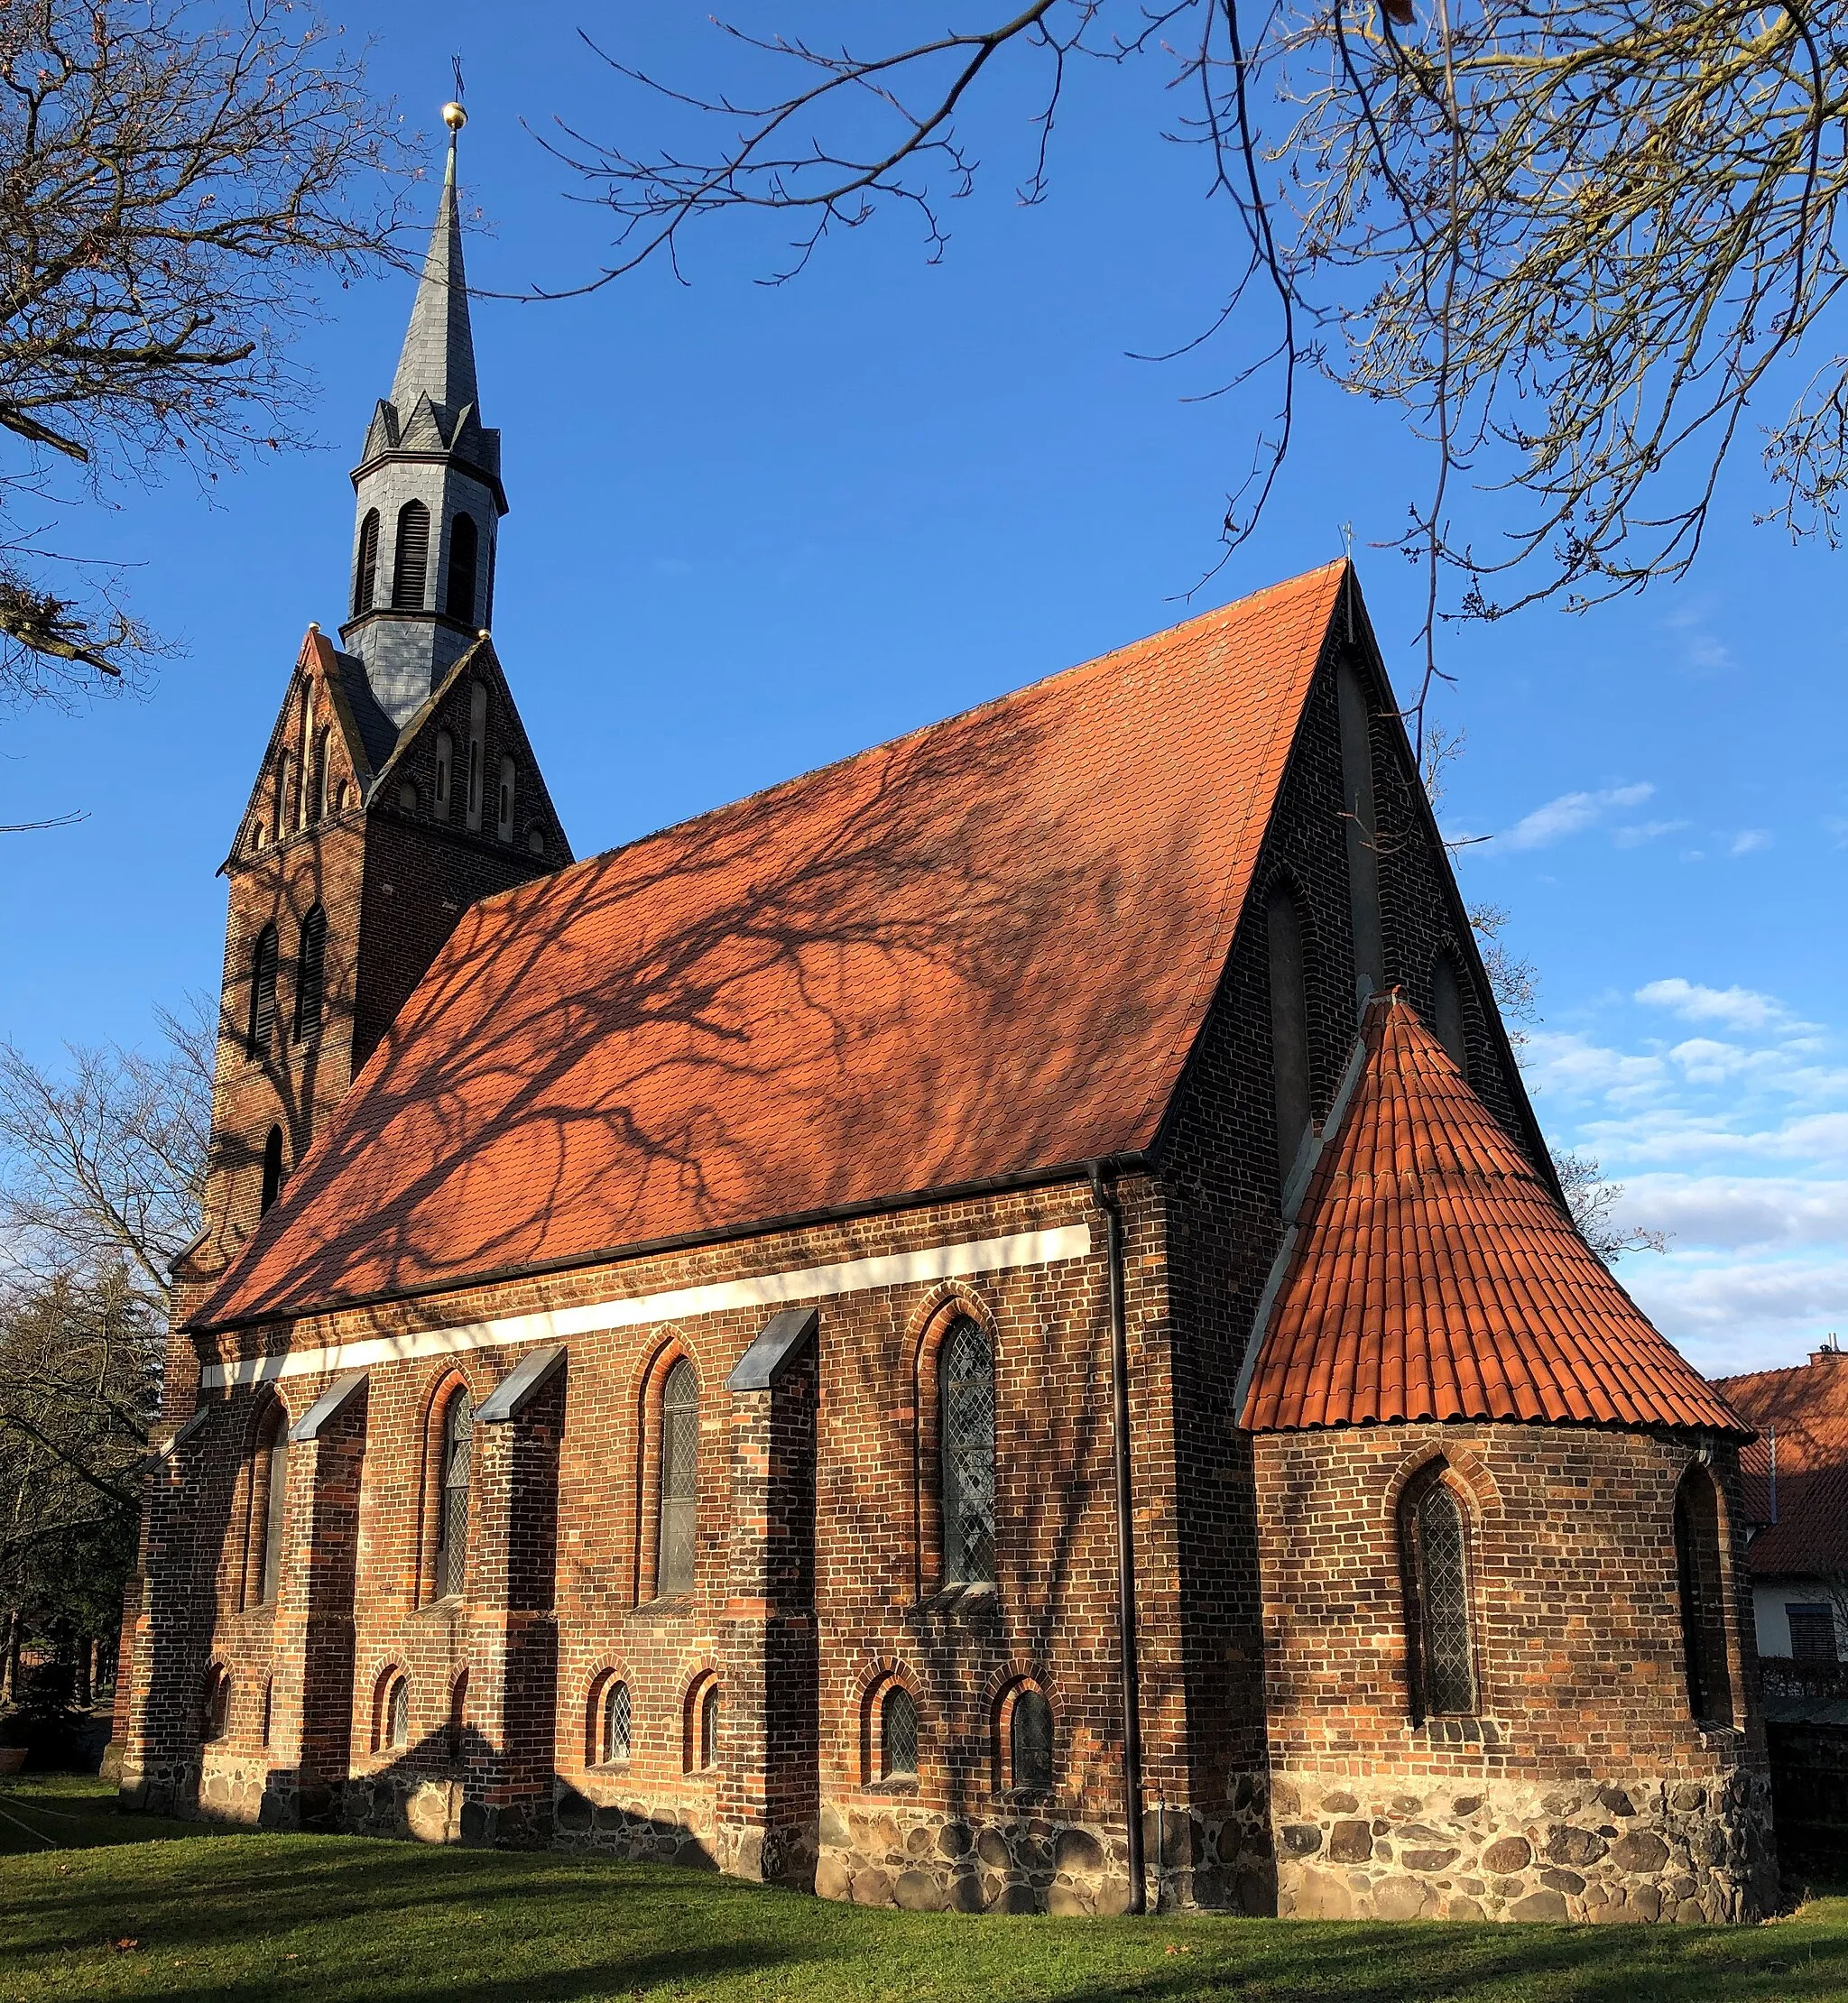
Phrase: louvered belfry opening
(262, 994)
(967, 1447)
(452, 1501)
(365, 571)
(310, 975)
(465, 546)
(411, 566)
(679, 1471)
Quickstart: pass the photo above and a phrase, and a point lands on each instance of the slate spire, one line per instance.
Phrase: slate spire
(429, 489)
(437, 359)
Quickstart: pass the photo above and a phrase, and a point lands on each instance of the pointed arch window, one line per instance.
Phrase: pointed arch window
(217, 1707)
(311, 968)
(1433, 1541)
(410, 563)
(262, 994)
(272, 1170)
(965, 1435)
(677, 1519)
(1289, 1025)
(279, 805)
(458, 1455)
(898, 1735)
(616, 1723)
(446, 773)
(464, 543)
(1699, 1570)
(365, 568)
(268, 1497)
(318, 789)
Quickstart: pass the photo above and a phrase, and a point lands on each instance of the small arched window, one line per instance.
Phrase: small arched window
(269, 1493)
(706, 1756)
(898, 1735)
(458, 1714)
(394, 1714)
(965, 1435)
(678, 1510)
(262, 994)
(614, 1724)
(215, 1707)
(1029, 1742)
(1700, 1582)
(535, 840)
(410, 563)
(1289, 1025)
(1447, 1009)
(365, 568)
(505, 819)
(477, 751)
(458, 600)
(1433, 1541)
(269, 1712)
(458, 1454)
(407, 797)
(311, 968)
(446, 772)
(272, 1170)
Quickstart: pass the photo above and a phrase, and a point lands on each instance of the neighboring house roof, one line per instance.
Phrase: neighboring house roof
(1804, 1410)
(979, 951)
(1433, 1275)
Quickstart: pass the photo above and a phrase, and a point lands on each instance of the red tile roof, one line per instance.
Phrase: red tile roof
(1435, 1276)
(981, 949)
(1806, 1410)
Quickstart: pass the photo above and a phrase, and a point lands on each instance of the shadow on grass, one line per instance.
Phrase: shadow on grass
(334, 1917)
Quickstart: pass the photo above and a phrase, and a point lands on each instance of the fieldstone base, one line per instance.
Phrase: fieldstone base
(1642, 1850)
(659, 1831)
(927, 1862)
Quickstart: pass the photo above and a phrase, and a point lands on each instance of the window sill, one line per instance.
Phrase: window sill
(1457, 1728)
(900, 1785)
(670, 1606)
(973, 1597)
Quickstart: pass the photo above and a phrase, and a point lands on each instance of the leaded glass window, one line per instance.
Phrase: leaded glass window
(966, 1406)
(614, 1741)
(1445, 1657)
(709, 1726)
(452, 1498)
(679, 1480)
(898, 1735)
(398, 1713)
(1029, 1741)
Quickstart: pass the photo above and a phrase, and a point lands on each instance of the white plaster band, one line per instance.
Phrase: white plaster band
(985, 1255)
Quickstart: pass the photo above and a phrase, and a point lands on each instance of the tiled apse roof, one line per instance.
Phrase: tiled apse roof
(981, 949)
(1807, 1409)
(1435, 1276)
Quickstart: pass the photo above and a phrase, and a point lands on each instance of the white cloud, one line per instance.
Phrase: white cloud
(1701, 646)
(1750, 840)
(1639, 831)
(1572, 813)
(1736, 1008)
(1569, 1063)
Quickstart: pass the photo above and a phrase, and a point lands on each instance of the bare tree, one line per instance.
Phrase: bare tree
(1571, 241)
(102, 1165)
(176, 180)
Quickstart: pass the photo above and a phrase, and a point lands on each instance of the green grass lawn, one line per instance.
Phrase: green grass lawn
(132, 1906)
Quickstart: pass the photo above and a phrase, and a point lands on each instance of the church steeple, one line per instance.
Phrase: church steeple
(429, 488)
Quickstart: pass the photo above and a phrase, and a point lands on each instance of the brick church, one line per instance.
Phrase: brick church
(990, 1327)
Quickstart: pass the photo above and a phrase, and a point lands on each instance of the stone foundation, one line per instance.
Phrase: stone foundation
(1647, 1850)
(662, 1830)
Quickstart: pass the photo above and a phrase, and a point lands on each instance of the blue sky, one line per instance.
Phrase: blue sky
(755, 528)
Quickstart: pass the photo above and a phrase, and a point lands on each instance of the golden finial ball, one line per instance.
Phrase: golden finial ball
(455, 118)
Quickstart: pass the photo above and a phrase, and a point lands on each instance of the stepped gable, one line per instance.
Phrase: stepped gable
(1434, 1276)
(981, 949)
(1806, 1533)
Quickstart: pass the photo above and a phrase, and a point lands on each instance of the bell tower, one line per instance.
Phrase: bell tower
(398, 786)
(428, 487)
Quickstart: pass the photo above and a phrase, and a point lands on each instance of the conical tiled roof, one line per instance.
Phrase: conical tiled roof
(1434, 1275)
(437, 359)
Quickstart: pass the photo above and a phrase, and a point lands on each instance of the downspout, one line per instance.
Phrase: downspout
(1125, 1541)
